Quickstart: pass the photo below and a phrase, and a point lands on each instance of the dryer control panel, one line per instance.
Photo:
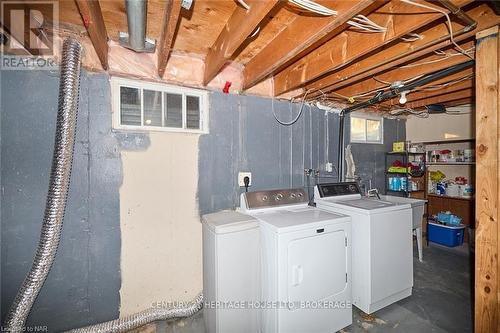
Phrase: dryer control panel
(338, 189)
(274, 198)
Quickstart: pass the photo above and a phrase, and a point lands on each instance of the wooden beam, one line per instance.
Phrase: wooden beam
(402, 53)
(441, 98)
(487, 183)
(90, 10)
(430, 64)
(345, 48)
(453, 83)
(169, 28)
(301, 36)
(237, 29)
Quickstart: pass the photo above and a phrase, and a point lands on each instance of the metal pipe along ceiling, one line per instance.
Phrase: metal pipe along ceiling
(136, 18)
(382, 96)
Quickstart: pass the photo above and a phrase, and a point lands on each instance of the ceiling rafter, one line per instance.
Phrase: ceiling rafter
(237, 29)
(402, 53)
(170, 25)
(441, 98)
(301, 36)
(430, 64)
(416, 96)
(93, 21)
(399, 18)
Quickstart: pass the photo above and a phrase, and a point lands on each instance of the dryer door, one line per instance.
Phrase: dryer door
(317, 266)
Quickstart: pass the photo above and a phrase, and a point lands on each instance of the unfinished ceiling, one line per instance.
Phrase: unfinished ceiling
(343, 58)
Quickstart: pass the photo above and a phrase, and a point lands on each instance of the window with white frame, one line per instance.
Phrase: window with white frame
(367, 129)
(155, 106)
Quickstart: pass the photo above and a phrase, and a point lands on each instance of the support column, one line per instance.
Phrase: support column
(487, 270)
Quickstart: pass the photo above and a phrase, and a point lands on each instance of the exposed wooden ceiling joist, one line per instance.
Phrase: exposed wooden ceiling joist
(237, 29)
(416, 96)
(429, 64)
(170, 25)
(94, 23)
(442, 98)
(399, 18)
(402, 53)
(301, 36)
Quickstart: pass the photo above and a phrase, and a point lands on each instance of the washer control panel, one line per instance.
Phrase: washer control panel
(273, 198)
(337, 189)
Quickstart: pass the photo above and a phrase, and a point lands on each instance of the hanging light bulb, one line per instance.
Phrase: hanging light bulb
(402, 99)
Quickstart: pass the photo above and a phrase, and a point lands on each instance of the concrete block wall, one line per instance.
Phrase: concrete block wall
(132, 232)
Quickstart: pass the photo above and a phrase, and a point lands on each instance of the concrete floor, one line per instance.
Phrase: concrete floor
(441, 301)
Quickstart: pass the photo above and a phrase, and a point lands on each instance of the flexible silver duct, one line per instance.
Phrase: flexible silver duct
(142, 318)
(58, 188)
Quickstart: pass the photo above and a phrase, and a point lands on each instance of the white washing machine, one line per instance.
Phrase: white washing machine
(382, 255)
(306, 263)
(231, 272)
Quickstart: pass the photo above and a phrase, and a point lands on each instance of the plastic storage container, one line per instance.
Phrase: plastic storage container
(446, 235)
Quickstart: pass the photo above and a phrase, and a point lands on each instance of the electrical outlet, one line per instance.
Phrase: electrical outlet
(329, 167)
(241, 177)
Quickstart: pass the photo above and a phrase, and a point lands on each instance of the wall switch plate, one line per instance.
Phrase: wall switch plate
(241, 177)
(329, 167)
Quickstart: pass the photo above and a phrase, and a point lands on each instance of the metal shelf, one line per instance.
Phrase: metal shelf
(404, 153)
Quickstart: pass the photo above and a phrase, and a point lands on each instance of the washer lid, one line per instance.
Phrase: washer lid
(364, 205)
(286, 220)
(229, 221)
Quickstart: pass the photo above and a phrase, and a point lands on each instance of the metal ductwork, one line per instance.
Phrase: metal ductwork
(58, 188)
(142, 318)
(135, 39)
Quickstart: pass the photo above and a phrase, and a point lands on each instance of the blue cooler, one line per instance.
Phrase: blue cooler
(445, 234)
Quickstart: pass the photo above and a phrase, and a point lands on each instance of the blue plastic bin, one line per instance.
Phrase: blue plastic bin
(446, 235)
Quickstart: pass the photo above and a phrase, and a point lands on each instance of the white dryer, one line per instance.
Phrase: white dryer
(382, 255)
(306, 263)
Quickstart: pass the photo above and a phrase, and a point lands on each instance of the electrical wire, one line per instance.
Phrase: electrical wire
(411, 37)
(409, 111)
(359, 22)
(314, 7)
(445, 56)
(444, 85)
(243, 4)
(450, 27)
(291, 106)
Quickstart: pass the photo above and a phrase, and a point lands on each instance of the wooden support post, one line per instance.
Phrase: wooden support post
(170, 23)
(90, 10)
(487, 272)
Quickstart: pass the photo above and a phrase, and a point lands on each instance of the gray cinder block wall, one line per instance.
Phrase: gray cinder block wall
(83, 286)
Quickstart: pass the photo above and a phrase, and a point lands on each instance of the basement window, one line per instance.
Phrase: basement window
(158, 107)
(367, 129)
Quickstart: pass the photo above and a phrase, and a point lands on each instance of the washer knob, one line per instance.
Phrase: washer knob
(264, 198)
(300, 195)
(292, 195)
(279, 196)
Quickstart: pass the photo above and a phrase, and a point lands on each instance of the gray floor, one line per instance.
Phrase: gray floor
(441, 301)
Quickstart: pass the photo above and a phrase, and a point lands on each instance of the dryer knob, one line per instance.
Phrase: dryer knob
(279, 196)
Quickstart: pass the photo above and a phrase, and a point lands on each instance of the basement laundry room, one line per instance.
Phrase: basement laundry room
(253, 166)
